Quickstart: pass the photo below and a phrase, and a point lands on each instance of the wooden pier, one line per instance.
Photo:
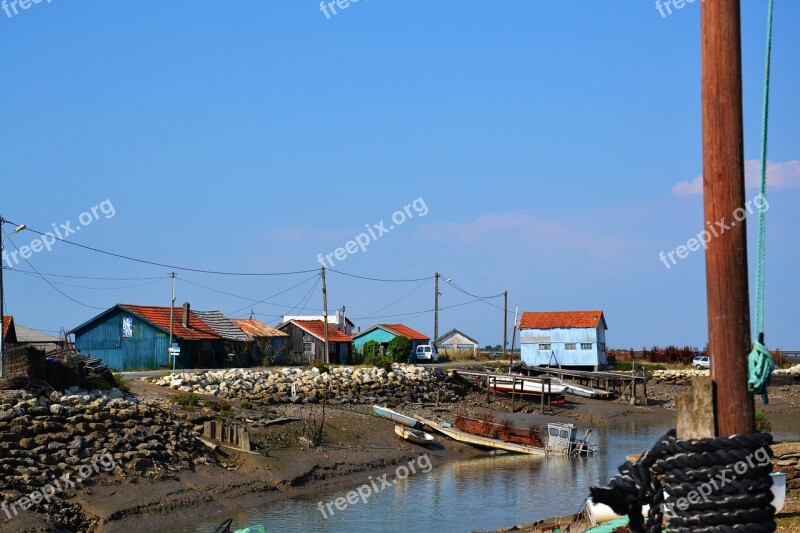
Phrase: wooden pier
(618, 383)
(491, 378)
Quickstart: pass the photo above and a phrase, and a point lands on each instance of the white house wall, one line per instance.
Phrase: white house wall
(558, 355)
(452, 342)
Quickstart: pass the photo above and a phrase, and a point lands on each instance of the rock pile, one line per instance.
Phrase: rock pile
(403, 384)
(787, 459)
(58, 437)
(677, 377)
(793, 371)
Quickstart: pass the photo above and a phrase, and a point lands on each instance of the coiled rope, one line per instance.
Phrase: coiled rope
(760, 363)
(720, 485)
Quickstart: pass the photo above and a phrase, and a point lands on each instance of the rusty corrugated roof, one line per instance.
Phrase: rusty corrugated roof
(255, 328)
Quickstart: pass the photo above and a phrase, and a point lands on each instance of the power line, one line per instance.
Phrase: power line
(245, 297)
(482, 298)
(33, 274)
(316, 275)
(379, 279)
(50, 275)
(394, 302)
(164, 265)
(415, 313)
(62, 293)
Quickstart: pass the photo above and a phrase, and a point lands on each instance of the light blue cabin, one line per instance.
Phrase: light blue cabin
(571, 339)
(384, 333)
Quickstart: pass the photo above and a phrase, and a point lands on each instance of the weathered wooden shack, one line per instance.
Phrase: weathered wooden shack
(267, 344)
(306, 342)
(136, 337)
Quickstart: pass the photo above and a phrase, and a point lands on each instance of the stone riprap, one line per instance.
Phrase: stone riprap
(403, 384)
(684, 377)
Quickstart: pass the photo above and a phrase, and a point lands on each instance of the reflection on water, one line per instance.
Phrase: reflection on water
(487, 493)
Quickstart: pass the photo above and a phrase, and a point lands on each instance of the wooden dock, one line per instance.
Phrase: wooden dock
(622, 384)
(491, 378)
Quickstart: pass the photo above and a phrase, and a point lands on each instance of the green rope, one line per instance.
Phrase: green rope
(760, 363)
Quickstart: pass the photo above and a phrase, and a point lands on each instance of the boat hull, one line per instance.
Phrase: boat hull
(482, 442)
(413, 435)
(396, 417)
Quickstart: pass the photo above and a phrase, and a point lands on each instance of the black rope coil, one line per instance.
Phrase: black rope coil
(714, 485)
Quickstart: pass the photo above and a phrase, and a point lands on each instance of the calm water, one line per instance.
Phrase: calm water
(486, 493)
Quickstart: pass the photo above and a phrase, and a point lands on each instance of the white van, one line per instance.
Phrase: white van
(427, 352)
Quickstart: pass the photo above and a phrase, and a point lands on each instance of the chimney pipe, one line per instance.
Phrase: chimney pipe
(186, 314)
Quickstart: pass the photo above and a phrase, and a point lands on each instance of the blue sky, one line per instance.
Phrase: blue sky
(553, 145)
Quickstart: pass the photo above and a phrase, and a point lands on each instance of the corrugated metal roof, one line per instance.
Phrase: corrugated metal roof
(224, 326)
(255, 328)
(31, 336)
(560, 319)
(159, 316)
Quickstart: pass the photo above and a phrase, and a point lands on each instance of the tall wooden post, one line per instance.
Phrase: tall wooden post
(723, 193)
(436, 311)
(326, 357)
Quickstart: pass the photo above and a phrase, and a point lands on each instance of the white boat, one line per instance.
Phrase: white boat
(508, 385)
(413, 435)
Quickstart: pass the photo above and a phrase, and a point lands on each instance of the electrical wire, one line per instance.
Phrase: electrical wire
(415, 313)
(399, 299)
(62, 293)
(317, 275)
(379, 279)
(164, 265)
(247, 298)
(50, 275)
(33, 274)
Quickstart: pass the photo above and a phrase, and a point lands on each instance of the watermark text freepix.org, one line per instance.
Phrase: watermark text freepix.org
(375, 485)
(49, 490)
(667, 6)
(712, 231)
(328, 7)
(373, 233)
(717, 482)
(59, 233)
(12, 7)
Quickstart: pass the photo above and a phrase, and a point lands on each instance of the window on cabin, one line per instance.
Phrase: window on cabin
(331, 348)
(554, 432)
(586, 346)
(569, 346)
(544, 346)
(308, 347)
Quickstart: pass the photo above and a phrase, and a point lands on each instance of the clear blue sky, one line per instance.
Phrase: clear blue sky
(546, 140)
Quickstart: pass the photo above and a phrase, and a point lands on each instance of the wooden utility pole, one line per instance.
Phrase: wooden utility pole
(171, 325)
(2, 307)
(723, 192)
(505, 323)
(326, 357)
(436, 311)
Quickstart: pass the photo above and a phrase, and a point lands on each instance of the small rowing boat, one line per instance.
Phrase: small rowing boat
(509, 385)
(395, 417)
(480, 441)
(413, 435)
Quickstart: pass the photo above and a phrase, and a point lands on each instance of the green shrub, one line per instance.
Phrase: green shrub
(762, 422)
(245, 404)
(265, 412)
(98, 384)
(370, 348)
(187, 401)
(219, 405)
(400, 349)
(379, 361)
(324, 368)
(120, 383)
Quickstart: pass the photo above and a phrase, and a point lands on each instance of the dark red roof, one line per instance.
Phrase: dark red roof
(255, 328)
(560, 319)
(197, 330)
(404, 331)
(7, 321)
(317, 328)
